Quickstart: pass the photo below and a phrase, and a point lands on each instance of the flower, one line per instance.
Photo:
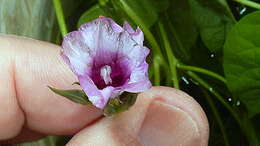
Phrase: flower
(107, 59)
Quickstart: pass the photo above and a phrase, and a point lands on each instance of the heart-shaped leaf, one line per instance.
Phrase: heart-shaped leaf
(242, 62)
(214, 20)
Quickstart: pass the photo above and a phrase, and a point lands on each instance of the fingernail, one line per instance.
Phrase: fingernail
(167, 125)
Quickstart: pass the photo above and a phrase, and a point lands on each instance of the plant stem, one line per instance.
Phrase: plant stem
(250, 131)
(244, 123)
(203, 71)
(217, 116)
(249, 3)
(179, 44)
(216, 94)
(156, 67)
(171, 58)
(60, 17)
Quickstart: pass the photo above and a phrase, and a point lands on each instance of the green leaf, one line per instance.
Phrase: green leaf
(242, 61)
(146, 10)
(119, 104)
(142, 10)
(91, 14)
(77, 96)
(48, 141)
(26, 14)
(181, 26)
(158, 5)
(214, 20)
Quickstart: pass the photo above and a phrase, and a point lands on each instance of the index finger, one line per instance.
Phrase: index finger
(26, 68)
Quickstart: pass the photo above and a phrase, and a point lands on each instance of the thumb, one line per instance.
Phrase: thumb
(161, 116)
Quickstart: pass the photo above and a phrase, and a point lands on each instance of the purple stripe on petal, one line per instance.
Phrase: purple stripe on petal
(116, 28)
(130, 49)
(128, 27)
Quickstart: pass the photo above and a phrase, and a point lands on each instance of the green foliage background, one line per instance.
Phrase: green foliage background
(207, 48)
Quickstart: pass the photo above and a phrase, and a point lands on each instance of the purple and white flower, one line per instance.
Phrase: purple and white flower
(107, 59)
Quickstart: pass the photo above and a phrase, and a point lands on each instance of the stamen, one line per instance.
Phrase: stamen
(105, 73)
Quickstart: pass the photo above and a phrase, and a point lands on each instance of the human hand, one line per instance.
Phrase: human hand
(161, 116)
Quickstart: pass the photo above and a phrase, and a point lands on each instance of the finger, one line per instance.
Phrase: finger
(26, 68)
(24, 136)
(161, 116)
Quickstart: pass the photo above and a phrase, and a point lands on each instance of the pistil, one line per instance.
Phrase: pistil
(105, 73)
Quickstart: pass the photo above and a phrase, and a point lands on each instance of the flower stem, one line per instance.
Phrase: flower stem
(216, 94)
(171, 58)
(250, 131)
(243, 122)
(249, 3)
(179, 44)
(203, 71)
(156, 67)
(60, 17)
(217, 116)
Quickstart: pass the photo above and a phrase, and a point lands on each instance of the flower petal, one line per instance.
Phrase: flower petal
(137, 87)
(99, 98)
(139, 80)
(116, 28)
(101, 34)
(96, 38)
(133, 51)
(75, 52)
(138, 55)
(137, 35)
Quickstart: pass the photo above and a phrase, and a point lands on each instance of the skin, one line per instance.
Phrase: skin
(29, 110)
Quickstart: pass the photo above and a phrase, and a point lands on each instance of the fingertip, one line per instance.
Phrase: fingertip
(174, 118)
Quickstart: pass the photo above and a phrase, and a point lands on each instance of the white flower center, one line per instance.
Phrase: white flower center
(105, 73)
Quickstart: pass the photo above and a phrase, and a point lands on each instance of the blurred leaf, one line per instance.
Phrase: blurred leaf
(30, 18)
(242, 61)
(143, 10)
(157, 5)
(183, 28)
(146, 10)
(91, 14)
(48, 141)
(77, 96)
(71, 7)
(214, 20)
(120, 104)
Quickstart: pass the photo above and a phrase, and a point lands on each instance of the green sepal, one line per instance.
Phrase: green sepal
(75, 95)
(119, 104)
